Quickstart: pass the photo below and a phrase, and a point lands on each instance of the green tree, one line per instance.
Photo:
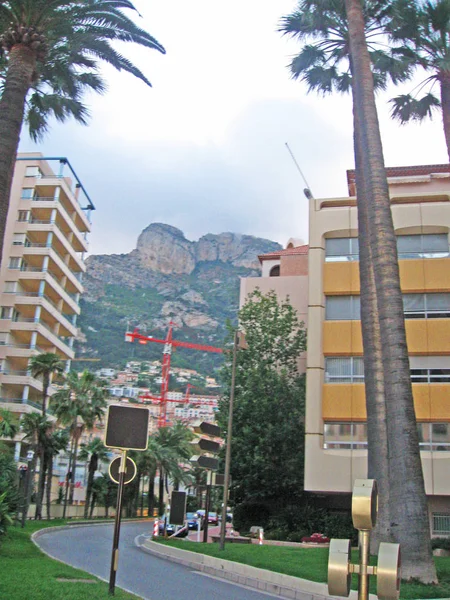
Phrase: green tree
(267, 448)
(56, 442)
(78, 404)
(50, 52)
(37, 429)
(9, 496)
(425, 27)
(9, 425)
(46, 365)
(94, 452)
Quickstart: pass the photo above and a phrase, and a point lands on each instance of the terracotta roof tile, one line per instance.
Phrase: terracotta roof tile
(298, 250)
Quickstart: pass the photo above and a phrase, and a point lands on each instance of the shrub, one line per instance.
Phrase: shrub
(440, 542)
(248, 514)
(276, 534)
(5, 514)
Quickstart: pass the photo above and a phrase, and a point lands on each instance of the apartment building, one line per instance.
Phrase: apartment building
(336, 435)
(41, 275)
(286, 273)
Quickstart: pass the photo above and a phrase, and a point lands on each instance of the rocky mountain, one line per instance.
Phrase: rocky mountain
(166, 278)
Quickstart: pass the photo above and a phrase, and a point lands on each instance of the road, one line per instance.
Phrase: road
(89, 548)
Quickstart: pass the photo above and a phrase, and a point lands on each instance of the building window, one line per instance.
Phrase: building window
(348, 369)
(423, 246)
(441, 524)
(434, 437)
(345, 436)
(10, 286)
(275, 271)
(19, 239)
(24, 216)
(342, 308)
(6, 312)
(14, 263)
(426, 306)
(430, 375)
(27, 193)
(33, 172)
(341, 249)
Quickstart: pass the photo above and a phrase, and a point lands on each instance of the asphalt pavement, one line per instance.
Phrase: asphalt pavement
(152, 578)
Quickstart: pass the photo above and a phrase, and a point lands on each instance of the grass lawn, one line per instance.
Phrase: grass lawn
(26, 573)
(310, 563)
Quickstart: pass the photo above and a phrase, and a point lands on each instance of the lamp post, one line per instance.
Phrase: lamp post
(226, 482)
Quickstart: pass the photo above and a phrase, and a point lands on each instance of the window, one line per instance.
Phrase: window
(19, 239)
(343, 308)
(24, 216)
(14, 263)
(348, 369)
(33, 172)
(27, 193)
(10, 286)
(426, 306)
(6, 312)
(441, 523)
(275, 271)
(423, 246)
(430, 369)
(345, 436)
(341, 249)
(434, 437)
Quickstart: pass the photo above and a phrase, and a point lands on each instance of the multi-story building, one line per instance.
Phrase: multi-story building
(336, 437)
(286, 273)
(41, 274)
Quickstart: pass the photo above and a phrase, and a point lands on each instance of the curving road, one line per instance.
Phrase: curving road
(89, 548)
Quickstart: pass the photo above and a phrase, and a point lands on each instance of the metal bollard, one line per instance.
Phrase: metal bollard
(340, 567)
(156, 528)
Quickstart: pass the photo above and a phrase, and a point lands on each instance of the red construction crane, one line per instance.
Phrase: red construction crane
(169, 343)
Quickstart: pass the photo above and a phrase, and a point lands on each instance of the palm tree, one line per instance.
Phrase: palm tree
(426, 28)
(408, 505)
(94, 452)
(56, 442)
(9, 425)
(50, 52)
(80, 403)
(37, 430)
(391, 423)
(45, 365)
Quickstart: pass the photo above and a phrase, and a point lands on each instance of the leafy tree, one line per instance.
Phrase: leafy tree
(50, 53)
(425, 27)
(8, 488)
(45, 365)
(267, 447)
(78, 404)
(94, 452)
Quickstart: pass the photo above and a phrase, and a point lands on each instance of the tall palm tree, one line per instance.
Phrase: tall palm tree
(94, 452)
(408, 505)
(50, 52)
(45, 365)
(57, 442)
(37, 430)
(342, 39)
(79, 404)
(426, 28)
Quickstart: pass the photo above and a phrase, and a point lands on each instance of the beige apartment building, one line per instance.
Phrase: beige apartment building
(336, 437)
(286, 273)
(41, 275)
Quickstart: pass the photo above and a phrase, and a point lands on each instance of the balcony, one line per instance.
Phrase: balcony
(44, 330)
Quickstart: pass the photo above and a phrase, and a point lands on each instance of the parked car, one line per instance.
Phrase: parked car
(170, 529)
(213, 518)
(193, 519)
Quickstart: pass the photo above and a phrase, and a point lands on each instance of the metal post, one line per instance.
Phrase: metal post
(207, 501)
(363, 584)
(226, 482)
(115, 549)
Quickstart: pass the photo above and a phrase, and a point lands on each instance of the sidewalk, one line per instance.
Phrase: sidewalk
(277, 584)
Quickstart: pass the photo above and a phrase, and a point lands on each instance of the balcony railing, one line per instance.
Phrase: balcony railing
(21, 401)
(22, 346)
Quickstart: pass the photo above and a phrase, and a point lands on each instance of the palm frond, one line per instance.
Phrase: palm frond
(407, 108)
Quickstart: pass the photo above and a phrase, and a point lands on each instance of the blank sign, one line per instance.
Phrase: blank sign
(127, 428)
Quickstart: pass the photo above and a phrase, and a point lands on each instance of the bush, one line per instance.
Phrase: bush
(280, 535)
(296, 536)
(248, 514)
(440, 542)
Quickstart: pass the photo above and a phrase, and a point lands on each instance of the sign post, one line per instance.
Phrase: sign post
(126, 429)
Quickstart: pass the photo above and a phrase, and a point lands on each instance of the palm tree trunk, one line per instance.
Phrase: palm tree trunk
(90, 481)
(408, 506)
(49, 485)
(151, 492)
(161, 492)
(22, 63)
(377, 455)
(74, 463)
(41, 483)
(445, 103)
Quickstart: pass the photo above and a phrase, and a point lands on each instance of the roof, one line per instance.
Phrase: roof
(413, 171)
(298, 250)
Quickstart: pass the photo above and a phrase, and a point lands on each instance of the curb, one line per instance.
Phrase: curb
(285, 586)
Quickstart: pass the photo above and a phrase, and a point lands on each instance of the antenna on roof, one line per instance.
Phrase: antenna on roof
(307, 191)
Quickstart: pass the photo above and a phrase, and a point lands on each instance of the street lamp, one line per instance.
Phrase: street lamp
(238, 340)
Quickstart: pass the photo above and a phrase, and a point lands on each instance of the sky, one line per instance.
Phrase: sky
(204, 149)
